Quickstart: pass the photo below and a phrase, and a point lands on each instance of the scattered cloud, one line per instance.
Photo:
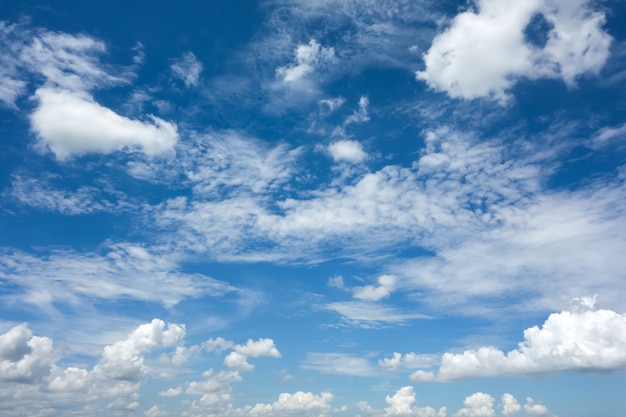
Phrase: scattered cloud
(483, 52)
(187, 68)
(73, 124)
(308, 58)
(585, 339)
(347, 150)
(339, 364)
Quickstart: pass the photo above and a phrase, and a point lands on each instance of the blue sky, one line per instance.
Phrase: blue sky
(313, 208)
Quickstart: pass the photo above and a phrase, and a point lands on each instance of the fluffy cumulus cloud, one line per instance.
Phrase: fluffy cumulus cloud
(238, 358)
(298, 403)
(25, 358)
(72, 124)
(584, 339)
(510, 405)
(347, 150)
(386, 284)
(485, 51)
(67, 120)
(478, 404)
(187, 68)
(402, 403)
(124, 360)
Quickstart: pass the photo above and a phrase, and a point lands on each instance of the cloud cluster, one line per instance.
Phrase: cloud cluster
(68, 121)
(585, 339)
(484, 52)
(187, 68)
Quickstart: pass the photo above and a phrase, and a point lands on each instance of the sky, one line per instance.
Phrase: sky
(329, 208)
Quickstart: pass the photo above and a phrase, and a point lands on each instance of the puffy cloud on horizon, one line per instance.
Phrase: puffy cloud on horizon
(584, 339)
(484, 52)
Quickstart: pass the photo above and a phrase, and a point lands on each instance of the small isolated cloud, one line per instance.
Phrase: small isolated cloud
(485, 52)
(307, 59)
(579, 340)
(386, 284)
(238, 358)
(187, 68)
(72, 124)
(336, 282)
(347, 151)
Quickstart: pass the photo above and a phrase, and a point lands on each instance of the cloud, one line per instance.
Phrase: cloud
(25, 358)
(579, 340)
(386, 285)
(238, 358)
(118, 271)
(308, 58)
(73, 124)
(369, 313)
(347, 150)
(510, 405)
(339, 364)
(298, 403)
(124, 360)
(257, 348)
(478, 404)
(484, 52)
(402, 403)
(187, 68)
(361, 115)
(409, 360)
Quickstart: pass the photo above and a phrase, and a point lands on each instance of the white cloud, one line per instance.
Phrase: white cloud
(238, 362)
(257, 348)
(124, 360)
(217, 344)
(238, 358)
(510, 405)
(361, 115)
(478, 404)
(298, 403)
(308, 58)
(171, 392)
(386, 285)
(367, 314)
(188, 68)
(409, 360)
(72, 124)
(215, 390)
(402, 403)
(347, 150)
(483, 52)
(534, 409)
(23, 357)
(608, 135)
(339, 364)
(591, 340)
(71, 63)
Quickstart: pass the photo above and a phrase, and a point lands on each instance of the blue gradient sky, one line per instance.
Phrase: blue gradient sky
(313, 208)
